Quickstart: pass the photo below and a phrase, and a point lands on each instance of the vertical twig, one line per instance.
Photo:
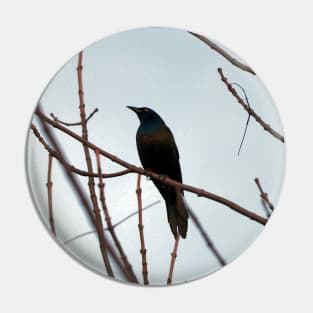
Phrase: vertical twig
(49, 188)
(143, 249)
(173, 258)
(267, 204)
(91, 182)
(118, 245)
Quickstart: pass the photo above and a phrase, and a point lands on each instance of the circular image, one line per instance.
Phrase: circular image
(155, 156)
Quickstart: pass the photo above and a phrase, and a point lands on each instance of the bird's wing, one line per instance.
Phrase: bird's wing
(172, 142)
(174, 170)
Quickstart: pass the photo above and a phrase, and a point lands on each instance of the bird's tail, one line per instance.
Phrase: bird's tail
(177, 215)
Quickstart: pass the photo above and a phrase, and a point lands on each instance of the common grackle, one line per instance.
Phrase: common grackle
(158, 152)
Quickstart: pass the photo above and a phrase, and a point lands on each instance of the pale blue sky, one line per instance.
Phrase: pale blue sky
(174, 73)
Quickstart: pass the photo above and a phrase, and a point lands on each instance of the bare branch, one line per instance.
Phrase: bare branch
(77, 123)
(268, 206)
(248, 119)
(81, 195)
(70, 167)
(91, 183)
(225, 54)
(246, 107)
(206, 237)
(143, 249)
(108, 219)
(114, 225)
(49, 188)
(166, 180)
(173, 258)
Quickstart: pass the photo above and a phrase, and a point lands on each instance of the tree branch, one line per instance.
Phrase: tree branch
(246, 107)
(264, 197)
(70, 167)
(173, 258)
(207, 239)
(49, 188)
(143, 249)
(225, 54)
(81, 195)
(91, 183)
(108, 220)
(114, 225)
(77, 123)
(166, 180)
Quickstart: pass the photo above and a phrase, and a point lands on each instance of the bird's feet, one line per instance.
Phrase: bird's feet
(148, 173)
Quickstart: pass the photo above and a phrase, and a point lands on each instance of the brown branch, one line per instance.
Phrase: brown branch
(246, 107)
(206, 237)
(264, 196)
(70, 167)
(110, 227)
(81, 195)
(49, 188)
(166, 180)
(114, 225)
(91, 182)
(173, 258)
(77, 123)
(225, 54)
(143, 249)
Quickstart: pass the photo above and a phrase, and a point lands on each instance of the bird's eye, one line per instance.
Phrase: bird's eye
(146, 110)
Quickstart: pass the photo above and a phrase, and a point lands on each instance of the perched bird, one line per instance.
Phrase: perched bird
(158, 152)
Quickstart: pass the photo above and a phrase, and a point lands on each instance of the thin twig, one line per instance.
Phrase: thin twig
(108, 219)
(136, 212)
(264, 196)
(164, 179)
(72, 168)
(77, 123)
(206, 237)
(173, 258)
(81, 194)
(248, 119)
(233, 91)
(49, 188)
(225, 54)
(143, 249)
(91, 182)
(114, 225)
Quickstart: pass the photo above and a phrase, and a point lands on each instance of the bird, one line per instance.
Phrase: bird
(158, 152)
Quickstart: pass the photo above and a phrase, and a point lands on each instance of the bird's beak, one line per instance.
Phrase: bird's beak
(136, 110)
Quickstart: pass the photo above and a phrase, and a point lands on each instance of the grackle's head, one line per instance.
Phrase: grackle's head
(146, 115)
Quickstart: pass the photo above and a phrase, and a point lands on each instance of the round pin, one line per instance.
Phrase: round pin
(155, 156)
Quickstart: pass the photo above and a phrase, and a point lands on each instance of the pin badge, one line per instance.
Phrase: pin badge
(155, 156)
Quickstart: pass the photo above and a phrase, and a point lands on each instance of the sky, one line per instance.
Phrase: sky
(176, 75)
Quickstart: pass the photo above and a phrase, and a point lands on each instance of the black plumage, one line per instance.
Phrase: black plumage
(158, 152)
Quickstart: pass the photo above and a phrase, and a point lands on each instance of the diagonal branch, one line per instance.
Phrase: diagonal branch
(114, 225)
(173, 259)
(225, 54)
(70, 167)
(246, 107)
(143, 249)
(91, 182)
(49, 188)
(108, 219)
(264, 196)
(165, 180)
(77, 123)
(206, 237)
(81, 195)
